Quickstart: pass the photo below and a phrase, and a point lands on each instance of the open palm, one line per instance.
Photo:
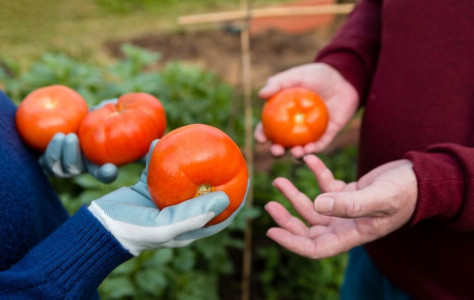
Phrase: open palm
(340, 97)
(347, 214)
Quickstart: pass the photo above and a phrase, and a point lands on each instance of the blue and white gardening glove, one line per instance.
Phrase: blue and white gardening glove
(134, 220)
(63, 157)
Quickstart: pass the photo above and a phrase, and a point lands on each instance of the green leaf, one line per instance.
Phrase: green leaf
(159, 258)
(185, 259)
(117, 287)
(127, 267)
(151, 281)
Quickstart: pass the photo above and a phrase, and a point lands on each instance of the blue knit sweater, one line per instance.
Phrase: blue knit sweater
(44, 254)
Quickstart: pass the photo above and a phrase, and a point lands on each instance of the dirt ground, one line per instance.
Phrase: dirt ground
(219, 49)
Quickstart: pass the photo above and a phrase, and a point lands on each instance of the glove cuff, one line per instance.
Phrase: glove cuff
(113, 227)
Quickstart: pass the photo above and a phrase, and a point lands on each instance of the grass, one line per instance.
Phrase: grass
(80, 27)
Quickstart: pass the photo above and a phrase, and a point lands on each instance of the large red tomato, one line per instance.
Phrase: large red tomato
(47, 111)
(294, 116)
(122, 132)
(194, 160)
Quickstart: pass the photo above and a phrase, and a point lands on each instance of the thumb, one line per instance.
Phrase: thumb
(210, 205)
(271, 87)
(353, 204)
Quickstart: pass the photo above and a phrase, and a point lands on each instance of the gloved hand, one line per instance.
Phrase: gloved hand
(63, 157)
(132, 217)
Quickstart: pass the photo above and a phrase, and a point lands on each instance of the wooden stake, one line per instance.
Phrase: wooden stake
(247, 89)
(245, 14)
(266, 12)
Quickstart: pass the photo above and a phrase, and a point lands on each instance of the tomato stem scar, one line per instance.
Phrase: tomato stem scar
(203, 189)
(299, 118)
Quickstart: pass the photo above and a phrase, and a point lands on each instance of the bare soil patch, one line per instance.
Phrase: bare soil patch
(219, 50)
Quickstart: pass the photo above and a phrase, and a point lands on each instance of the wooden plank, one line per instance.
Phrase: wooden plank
(266, 12)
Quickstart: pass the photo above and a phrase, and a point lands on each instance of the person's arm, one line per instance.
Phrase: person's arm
(69, 264)
(354, 50)
(445, 176)
(76, 257)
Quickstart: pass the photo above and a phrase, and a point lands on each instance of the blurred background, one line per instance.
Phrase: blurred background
(104, 48)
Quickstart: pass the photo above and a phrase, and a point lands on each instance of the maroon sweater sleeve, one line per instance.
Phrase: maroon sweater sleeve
(354, 49)
(445, 174)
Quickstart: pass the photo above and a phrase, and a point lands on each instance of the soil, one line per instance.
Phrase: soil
(272, 50)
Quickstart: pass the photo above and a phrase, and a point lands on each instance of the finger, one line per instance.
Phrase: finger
(327, 244)
(52, 155)
(300, 245)
(272, 86)
(105, 173)
(259, 134)
(302, 204)
(72, 156)
(150, 152)
(368, 202)
(104, 103)
(324, 176)
(285, 220)
(297, 151)
(285, 79)
(277, 150)
(317, 230)
(213, 229)
(321, 144)
(188, 218)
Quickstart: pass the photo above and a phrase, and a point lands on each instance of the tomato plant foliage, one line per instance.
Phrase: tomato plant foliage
(209, 268)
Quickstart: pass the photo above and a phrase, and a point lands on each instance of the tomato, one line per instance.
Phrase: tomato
(47, 111)
(194, 160)
(122, 132)
(294, 116)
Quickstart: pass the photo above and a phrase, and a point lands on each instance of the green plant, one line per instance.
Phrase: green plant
(208, 268)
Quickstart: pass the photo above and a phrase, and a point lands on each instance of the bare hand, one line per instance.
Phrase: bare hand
(340, 97)
(346, 215)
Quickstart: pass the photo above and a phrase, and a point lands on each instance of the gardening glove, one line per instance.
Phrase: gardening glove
(63, 157)
(131, 216)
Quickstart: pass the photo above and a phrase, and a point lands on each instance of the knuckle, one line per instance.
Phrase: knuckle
(353, 208)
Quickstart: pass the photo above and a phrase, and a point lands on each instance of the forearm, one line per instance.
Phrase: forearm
(355, 48)
(445, 176)
(69, 264)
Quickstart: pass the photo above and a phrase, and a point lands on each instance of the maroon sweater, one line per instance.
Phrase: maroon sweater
(412, 63)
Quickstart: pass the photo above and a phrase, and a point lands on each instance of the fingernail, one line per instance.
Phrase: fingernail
(324, 205)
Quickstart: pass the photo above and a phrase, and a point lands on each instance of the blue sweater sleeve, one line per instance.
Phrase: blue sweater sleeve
(69, 264)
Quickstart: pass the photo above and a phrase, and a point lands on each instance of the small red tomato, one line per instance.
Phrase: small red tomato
(47, 111)
(294, 116)
(194, 160)
(122, 132)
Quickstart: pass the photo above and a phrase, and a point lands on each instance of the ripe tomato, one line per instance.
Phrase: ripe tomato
(122, 132)
(194, 160)
(47, 111)
(294, 116)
